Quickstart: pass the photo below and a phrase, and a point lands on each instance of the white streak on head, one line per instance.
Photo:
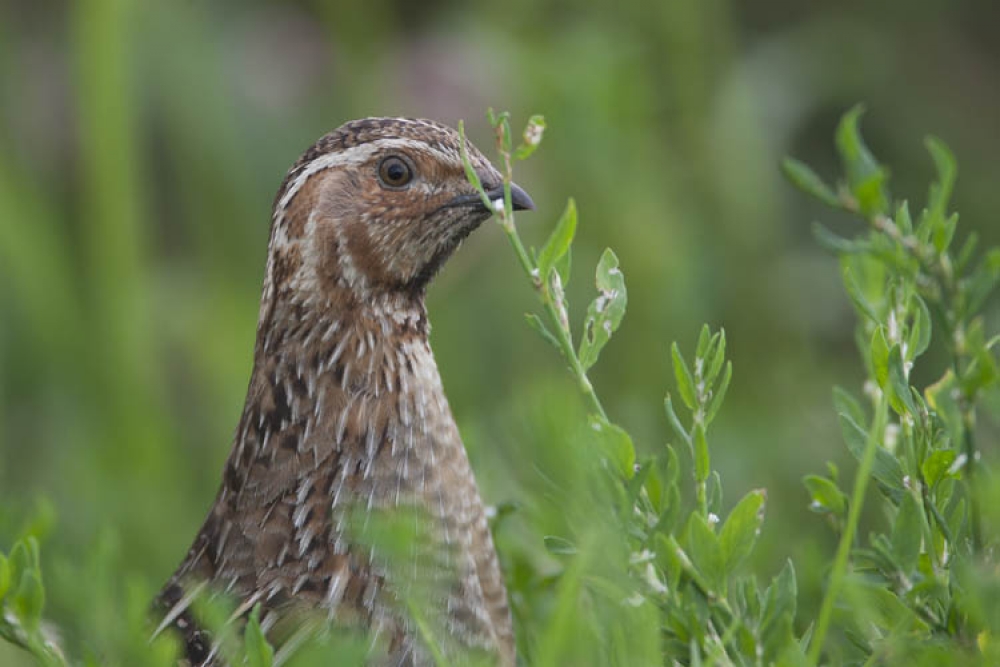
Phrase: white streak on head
(360, 154)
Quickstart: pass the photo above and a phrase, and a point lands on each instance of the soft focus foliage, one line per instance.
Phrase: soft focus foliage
(140, 146)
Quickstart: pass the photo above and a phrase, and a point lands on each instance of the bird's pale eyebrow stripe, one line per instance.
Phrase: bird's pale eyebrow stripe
(356, 155)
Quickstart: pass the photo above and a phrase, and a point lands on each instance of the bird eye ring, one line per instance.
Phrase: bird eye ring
(394, 172)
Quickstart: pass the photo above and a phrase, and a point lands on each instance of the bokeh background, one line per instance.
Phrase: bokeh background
(141, 144)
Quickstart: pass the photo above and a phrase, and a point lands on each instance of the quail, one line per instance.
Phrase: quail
(345, 411)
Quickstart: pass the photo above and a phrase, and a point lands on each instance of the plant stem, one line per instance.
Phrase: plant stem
(939, 268)
(847, 537)
(506, 219)
(562, 335)
(975, 513)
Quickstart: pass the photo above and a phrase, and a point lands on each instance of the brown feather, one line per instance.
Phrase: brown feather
(345, 412)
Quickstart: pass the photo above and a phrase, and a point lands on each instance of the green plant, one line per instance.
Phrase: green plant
(912, 590)
(639, 567)
(686, 564)
(22, 601)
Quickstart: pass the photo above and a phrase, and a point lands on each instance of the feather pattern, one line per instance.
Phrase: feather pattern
(346, 416)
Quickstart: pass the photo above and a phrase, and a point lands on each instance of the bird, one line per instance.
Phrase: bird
(346, 417)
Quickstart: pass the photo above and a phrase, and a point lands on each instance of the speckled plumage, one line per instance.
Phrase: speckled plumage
(345, 410)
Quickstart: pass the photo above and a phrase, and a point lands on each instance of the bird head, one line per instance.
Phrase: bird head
(375, 208)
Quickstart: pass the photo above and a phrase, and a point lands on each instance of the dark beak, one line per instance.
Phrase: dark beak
(519, 199)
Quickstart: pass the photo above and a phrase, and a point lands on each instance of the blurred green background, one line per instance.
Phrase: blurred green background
(141, 144)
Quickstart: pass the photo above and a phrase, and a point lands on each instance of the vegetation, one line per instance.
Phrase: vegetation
(141, 144)
(644, 564)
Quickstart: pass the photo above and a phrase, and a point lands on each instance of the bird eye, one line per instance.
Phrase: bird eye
(394, 172)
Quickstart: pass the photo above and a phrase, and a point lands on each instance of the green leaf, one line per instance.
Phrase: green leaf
(668, 560)
(559, 546)
(705, 551)
(845, 403)
(259, 651)
(536, 323)
(713, 492)
(940, 192)
(981, 372)
(704, 341)
(605, 312)
(880, 357)
(21, 560)
(531, 138)
(653, 484)
(5, 577)
(682, 374)
(856, 295)
(903, 220)
(559, 241)
(941, 397)
(506, 136)
(641, 479)
(670, 510)
(894, 612)
(944, 233)
(778, 613)
(718, 356)
(936, 466)
(983, 280)
(675, 421)
(838, 244)
(920, 333)
(907, 534)
(865, 177)
(564, 264)
(720, 394)
(742, 526)
(805, 179)
(673, 467)
(900, 397)
(886, 468)
(825, 495)
(966, 253)
(29, 600)
(702, 462)
(616, 444)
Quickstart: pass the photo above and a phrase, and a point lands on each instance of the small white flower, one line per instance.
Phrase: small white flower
(713, 518)
(635, 600)
(643, 556)
(893, 327)
(958, 464)
(872, 390)
(891, 436)
(533, 134)
(653, 580)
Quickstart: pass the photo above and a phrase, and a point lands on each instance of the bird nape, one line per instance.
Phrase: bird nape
(346, 423)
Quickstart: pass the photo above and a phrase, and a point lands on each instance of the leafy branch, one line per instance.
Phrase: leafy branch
(548, 268)
(904, 280)
(687, 564)
(22, 601)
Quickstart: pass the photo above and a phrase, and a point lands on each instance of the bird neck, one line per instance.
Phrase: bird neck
(332, 379)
